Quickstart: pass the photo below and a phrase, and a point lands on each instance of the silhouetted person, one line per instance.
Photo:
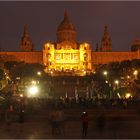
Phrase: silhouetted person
(85, 121)
(21, 118)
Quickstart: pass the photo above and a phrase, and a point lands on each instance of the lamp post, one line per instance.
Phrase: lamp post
(116, 83)
(39, 73)
(107, 83)
(105, 73)
(135, 73)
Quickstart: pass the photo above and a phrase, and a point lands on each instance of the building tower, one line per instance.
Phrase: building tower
(26, 44)
(135, 45)
(106, 45)
(66, 55)
(66, 30)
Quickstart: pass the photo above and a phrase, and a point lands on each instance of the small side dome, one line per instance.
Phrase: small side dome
(135, 45)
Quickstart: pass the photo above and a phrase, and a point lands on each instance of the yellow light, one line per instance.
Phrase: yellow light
(33, 82)
(128, 95)
(128, 76)
(21, 95)
(86, 44)
(33, 90)
(18, 78)
(7, 77)
(106, 81)
(105, 73)
(84, 72)
(39, 73)
(48, 44)
(135, 72)
(116, 82)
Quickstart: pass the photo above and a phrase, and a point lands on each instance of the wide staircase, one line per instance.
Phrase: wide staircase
(60, 86)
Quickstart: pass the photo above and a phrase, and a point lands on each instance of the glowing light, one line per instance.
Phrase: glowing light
(105, 73)
(128, 95)
(84, 72)
(128, 76)
(135, 72)
(119, 95)
(94, 72)
(116, 82)
(18, 78)
(21, 95)
(106, 82)
(33, 82)
(7, 77)
(48, 44)
(39, 73)
(33, 90)
(86, 44)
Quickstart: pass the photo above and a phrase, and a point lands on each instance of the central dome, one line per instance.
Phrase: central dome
(66, 30)
(66, 24)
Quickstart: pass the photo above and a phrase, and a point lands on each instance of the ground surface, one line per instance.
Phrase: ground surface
(119, 124)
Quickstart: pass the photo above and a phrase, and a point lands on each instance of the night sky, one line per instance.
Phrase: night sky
(89, 18)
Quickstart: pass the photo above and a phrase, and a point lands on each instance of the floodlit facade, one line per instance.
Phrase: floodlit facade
(66, 55)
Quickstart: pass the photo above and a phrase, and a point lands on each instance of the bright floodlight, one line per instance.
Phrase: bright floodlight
(128, 95)
(33, 90)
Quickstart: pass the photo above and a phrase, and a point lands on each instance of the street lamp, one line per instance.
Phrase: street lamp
(33, 91)
(116, 83)
(135, 73)
(21, 95)
(105, 73)
(39, 73)
(128, 95)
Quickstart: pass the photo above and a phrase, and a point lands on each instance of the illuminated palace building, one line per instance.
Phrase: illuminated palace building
(66, 55)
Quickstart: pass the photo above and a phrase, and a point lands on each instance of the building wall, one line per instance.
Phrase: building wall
(28, 57)
(107, 57)
(94, 58)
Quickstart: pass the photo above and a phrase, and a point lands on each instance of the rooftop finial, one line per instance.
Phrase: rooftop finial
(26, 30)
(65, 14)
(105, 31)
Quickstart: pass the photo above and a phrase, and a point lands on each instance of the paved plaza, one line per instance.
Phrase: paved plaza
(38, 127)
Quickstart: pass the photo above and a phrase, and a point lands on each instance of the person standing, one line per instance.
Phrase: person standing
(85, 122)
(21, 116)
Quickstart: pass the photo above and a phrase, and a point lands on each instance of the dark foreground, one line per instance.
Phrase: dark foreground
(119, 124)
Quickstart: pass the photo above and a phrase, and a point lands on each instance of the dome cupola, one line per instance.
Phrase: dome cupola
(66, 30)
